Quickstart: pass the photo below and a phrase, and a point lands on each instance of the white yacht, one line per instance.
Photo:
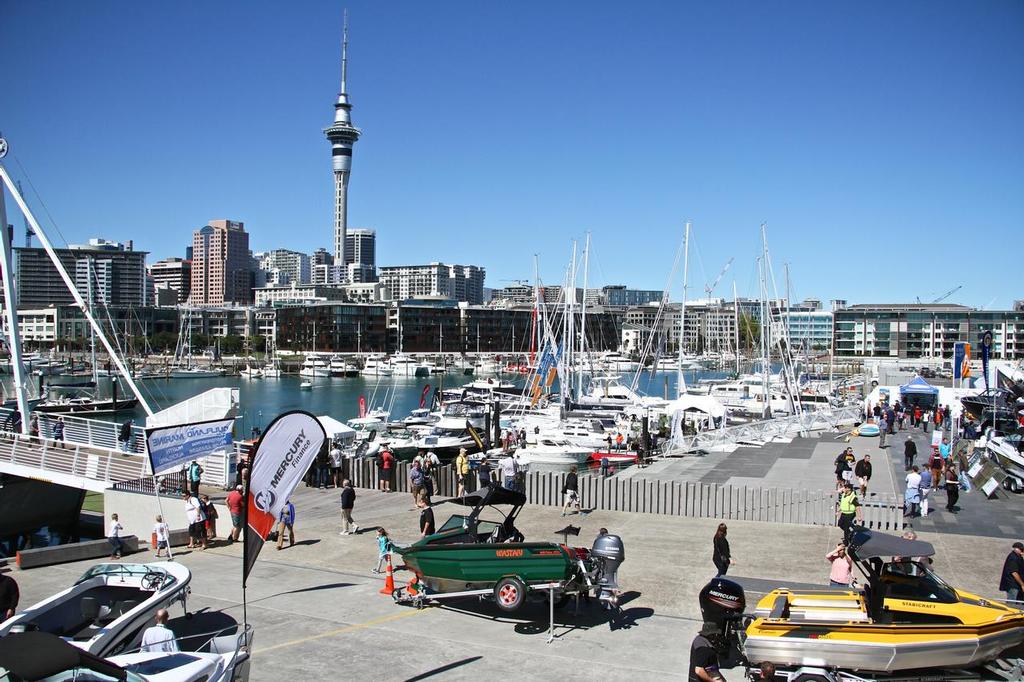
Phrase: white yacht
(314, 366)
(618, 363)
(405, 366)
(377, 366)
(548, 451)
(195, 373)
(249, 372)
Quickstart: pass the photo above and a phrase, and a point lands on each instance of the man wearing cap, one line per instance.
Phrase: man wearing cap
(704, 665)
(234, 503)
(1012, 579)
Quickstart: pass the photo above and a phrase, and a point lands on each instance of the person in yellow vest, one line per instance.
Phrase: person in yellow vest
(849, 510)
(461, 471)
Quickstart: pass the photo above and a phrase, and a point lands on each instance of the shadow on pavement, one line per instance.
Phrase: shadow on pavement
(444, 669)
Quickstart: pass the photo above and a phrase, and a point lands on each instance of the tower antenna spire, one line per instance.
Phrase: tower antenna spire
(344, 54)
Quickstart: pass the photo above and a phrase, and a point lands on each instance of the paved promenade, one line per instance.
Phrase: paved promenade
(318, 615)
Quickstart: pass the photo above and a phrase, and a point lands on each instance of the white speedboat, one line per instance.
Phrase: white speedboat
(405, 366)
(271, 372)
(40, 655)
(106, 610)
(306, 386)
(553, 451)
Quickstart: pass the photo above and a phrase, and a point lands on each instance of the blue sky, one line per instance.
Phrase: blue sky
(881, 142)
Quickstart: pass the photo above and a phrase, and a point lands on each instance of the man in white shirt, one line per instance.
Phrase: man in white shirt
(334, 456)
(507, 467)
(159, 638)
(912, 496)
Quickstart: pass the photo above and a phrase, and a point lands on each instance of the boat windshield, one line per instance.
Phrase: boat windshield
(462, 521)
(913, 580)
(153, 577)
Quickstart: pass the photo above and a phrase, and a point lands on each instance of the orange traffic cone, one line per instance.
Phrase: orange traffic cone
(389, 582)
(411, 587)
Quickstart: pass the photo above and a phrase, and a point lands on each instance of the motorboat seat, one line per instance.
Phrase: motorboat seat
(497, 535)
(123, 607)
(780, 609)
(93, 611)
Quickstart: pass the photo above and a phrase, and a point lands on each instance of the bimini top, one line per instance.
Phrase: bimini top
(37, 655)
(493, 494)
(867, 544)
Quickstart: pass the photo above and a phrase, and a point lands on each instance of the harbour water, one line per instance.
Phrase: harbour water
(263, 399)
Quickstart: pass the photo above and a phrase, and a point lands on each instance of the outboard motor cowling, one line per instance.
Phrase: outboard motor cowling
(721, 605)
(608, 553)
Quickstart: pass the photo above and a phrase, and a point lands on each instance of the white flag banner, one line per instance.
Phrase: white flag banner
(283, 455)
(170, 447)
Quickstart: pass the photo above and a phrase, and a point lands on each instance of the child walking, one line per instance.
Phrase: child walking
(383, 549)
(162, 532)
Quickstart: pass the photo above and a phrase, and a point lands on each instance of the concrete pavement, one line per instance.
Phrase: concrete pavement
(318, 615)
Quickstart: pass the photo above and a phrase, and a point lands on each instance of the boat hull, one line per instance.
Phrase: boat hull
(478, 566)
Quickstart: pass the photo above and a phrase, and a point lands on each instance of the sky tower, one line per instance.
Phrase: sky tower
(342, 136)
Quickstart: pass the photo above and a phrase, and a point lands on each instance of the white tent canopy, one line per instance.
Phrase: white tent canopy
(696, 403)
(335, 429)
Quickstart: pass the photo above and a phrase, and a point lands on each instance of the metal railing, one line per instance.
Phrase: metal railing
(764, 431)
(100, 437)
(674, 498)
(94, 468)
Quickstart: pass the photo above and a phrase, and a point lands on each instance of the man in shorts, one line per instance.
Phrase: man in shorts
(334, 457)
(234, 504)
(387, 461)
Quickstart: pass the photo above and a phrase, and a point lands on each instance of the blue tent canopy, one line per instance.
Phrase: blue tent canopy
(918, 386)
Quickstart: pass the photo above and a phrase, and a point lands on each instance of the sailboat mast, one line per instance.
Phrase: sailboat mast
(680, 379)
(583, 316)
(89, 265)
(736, 315)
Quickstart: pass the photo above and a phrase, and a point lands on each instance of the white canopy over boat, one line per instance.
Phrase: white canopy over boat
(696, 403)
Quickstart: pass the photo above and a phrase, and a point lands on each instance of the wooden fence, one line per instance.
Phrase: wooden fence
(673, 498)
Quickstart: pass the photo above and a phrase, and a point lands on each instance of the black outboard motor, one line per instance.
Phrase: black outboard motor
(608, 553)
(721, 604)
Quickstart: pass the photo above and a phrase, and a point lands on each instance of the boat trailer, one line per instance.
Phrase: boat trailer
(1000, 669)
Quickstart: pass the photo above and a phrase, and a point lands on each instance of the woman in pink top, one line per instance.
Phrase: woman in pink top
(842, 566)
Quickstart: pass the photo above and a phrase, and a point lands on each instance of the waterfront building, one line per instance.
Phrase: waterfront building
(38, 328)
(436, 280)
(924, 330)
(333, 327)
(366, 292)
(119, 272)
(809, 330)
(220, 320)
(284, 266)
(342, 136)
(221, 268)
(174, 274)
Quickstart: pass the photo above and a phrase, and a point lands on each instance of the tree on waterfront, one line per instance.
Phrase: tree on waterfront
(750, 331)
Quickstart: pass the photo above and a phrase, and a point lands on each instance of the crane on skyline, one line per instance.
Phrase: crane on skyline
(708, 288)
(944, 296)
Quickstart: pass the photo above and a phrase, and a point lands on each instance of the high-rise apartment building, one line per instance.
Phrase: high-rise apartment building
(283, 267)
(436, 280)
(175, 274)
(361, 247)
(221, 270)
(118, 271)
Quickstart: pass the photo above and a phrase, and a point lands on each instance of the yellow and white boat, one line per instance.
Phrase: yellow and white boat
(907, 618)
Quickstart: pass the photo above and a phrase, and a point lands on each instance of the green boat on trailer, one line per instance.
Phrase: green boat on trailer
(473, 556)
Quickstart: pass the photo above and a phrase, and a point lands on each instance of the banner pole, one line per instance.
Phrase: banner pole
(245, 537)
(160, 506)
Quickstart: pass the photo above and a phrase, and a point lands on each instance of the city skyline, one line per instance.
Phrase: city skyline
(487, 151)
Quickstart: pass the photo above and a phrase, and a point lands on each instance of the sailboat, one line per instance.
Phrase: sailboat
(249, 372)
(183, 353)
(81, 399)
(272, 369)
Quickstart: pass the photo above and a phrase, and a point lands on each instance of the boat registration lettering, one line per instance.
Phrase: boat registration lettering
(508, 553)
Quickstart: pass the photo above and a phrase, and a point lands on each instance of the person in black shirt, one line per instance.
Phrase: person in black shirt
(9, 596)
(571, 491)
(1011, 580)
(909, 453)
(426, 517)
(721, 555)
(703, 657)
(484, 473)
(863, 473)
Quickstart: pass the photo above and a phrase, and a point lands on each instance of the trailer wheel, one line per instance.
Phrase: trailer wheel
(509, 594)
